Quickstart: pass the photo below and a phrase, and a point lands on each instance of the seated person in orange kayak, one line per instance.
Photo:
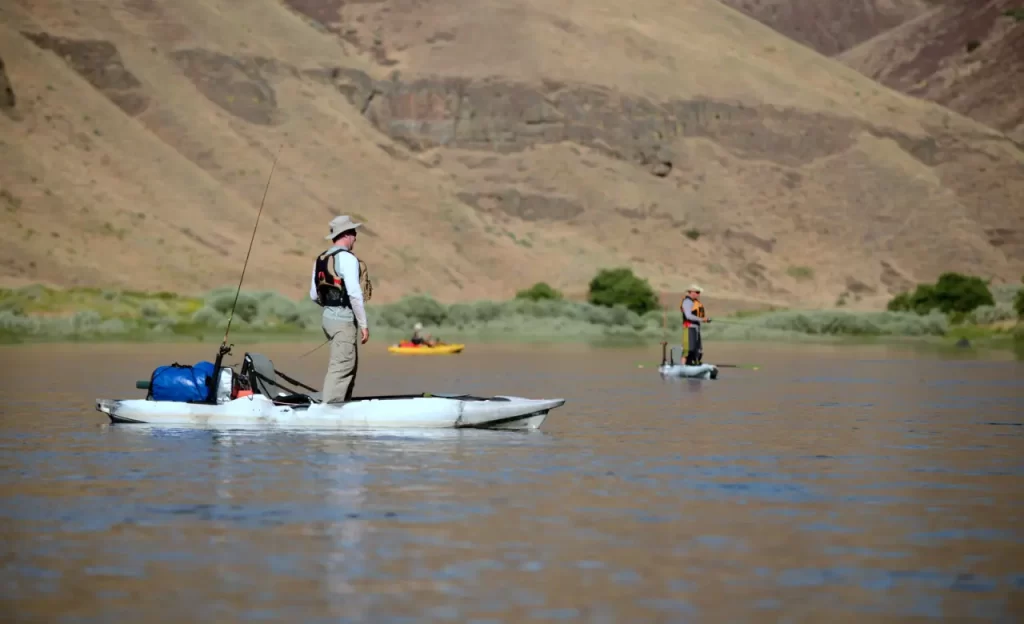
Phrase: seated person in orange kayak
(419, 339)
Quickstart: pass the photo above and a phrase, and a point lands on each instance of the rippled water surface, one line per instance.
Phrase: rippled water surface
(832, 484)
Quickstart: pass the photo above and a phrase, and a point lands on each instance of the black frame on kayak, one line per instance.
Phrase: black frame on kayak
(262, 377)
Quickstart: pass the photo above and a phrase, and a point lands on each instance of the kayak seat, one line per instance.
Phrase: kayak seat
(264, 379)
(262, 376)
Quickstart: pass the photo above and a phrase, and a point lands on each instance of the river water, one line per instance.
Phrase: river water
(831, 484)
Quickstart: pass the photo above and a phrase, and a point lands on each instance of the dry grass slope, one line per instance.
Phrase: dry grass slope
(486, 149)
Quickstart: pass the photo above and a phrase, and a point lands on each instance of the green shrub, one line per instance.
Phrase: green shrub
(1005, 293)
(153, 311)
(11, 305)
(538, 292)
(952, 293)
(208, 316)
(986, 314)
(1018, 302)
(221, 300)
(620, 286)
(800, 273)
(416, 308)
(845, 323)
(16, 324)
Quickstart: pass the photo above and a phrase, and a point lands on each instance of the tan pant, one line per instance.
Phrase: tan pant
(341, 369)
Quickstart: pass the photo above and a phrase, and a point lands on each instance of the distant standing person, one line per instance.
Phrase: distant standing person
(335, 287)
(694, 317)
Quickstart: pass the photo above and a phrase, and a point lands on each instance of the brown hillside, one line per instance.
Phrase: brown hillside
(968, 56)
(831, 26)
(486, 148)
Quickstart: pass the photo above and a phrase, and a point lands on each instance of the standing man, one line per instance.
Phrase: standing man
(336, 288)
(693, 317)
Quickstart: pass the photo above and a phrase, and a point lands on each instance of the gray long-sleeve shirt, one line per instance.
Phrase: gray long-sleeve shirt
(688, 312)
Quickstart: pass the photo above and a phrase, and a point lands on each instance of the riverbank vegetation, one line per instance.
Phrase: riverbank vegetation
(620, 307)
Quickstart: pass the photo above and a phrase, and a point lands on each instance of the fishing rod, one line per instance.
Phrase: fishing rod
(251, 240)
(225, 348)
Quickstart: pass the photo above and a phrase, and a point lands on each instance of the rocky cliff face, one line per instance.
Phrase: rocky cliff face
(98, 62)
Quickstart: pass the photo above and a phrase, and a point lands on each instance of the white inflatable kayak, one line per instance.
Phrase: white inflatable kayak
(703, 371)
(669, 367)
(412, 412)
(268, 401)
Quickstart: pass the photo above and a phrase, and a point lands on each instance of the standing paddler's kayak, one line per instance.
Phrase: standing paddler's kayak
(669, 367)
(411, 349)
(703, 371)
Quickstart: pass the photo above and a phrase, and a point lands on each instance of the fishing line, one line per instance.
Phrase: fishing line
(313, 349)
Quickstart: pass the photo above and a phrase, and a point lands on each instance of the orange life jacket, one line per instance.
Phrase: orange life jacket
(698, 310)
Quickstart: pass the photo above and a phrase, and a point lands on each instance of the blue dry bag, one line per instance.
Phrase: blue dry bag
(178, 382)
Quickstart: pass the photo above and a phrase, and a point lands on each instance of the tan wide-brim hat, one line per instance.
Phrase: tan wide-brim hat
(695, 288)
(341, 224)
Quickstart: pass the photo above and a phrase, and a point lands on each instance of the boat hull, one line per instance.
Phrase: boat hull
(704, 371)
(438, 350)
(501, 412)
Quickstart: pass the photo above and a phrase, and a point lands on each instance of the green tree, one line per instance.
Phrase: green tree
(961, 293)
(619, 286)
(953, 293)
(539, 292)
(899, 303)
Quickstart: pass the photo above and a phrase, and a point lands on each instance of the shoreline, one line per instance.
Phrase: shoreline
(37, 315)
(1001, 341)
